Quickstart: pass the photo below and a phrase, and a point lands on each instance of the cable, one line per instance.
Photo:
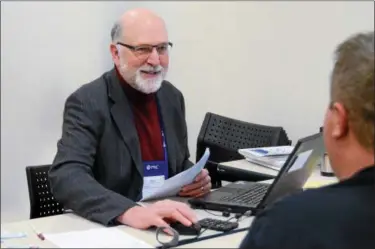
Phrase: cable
(193, 240)
(237, 217)
(212, 213)
(201, 232)
(175, 240)
(245, 214)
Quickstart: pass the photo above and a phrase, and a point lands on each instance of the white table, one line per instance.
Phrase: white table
(228, 241)
(315, 179)
(72, 222)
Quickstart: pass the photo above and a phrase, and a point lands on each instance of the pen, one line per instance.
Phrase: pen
(39, 234)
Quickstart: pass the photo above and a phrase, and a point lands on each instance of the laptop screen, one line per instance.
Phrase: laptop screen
(297, 169)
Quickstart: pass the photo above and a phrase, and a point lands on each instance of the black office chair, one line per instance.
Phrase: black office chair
(224, 136)
(42, 202)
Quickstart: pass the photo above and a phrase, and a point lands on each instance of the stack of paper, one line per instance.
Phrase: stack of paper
(318, 184)
(96, 238)
(272, 157)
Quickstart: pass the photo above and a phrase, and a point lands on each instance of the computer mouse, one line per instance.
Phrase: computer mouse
(194, 229)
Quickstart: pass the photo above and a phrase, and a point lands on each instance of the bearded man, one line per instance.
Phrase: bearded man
(125, 133)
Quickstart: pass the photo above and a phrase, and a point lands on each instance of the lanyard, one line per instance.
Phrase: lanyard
(164, 143)
(158, 168)
(164, 146)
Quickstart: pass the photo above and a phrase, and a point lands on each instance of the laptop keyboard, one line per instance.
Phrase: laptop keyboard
(251, 196)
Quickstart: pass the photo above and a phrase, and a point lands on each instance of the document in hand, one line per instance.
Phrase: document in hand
(174, 184)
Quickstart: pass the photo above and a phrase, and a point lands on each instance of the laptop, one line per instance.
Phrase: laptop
(242, 196)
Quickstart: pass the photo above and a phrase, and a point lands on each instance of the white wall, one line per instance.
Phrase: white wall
(48, 49)
(266, 63)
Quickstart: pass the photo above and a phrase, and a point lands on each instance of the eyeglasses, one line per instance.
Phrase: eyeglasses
(144, 51)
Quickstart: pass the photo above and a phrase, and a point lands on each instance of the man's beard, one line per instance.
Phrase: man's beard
(140, 83)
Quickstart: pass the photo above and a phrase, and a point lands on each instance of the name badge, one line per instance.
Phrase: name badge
(155, 173)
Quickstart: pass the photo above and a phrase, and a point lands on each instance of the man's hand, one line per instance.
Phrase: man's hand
(200, 186)
(157, 215)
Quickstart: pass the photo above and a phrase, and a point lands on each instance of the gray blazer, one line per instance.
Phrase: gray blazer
(97, 171)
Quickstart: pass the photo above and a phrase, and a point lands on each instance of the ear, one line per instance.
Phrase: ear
(340, 126)
(115, 53)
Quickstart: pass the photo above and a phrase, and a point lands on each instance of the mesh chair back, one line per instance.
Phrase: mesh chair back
(224, 136)
(42, 202)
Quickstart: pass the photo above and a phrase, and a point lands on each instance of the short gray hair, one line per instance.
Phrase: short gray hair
(352, 84)
(116, 32)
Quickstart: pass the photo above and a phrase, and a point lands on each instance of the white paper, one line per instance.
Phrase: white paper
(300, 161)
(96, 238)
(275, 163)
(174, 184)
(266, 151)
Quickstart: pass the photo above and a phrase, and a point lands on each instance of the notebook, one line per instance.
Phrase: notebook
(273, 157)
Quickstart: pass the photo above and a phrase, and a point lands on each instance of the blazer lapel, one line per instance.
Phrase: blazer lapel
(166, 117)
(123, 117)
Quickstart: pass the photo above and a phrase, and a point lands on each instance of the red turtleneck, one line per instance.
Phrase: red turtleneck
(146, 119)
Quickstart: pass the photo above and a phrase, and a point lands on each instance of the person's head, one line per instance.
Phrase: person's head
(350, 117)
(140, 49)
